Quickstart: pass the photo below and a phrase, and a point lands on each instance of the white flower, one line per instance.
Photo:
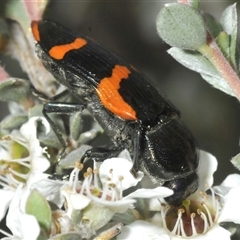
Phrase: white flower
(229, 191)
(23, 226)
(51, 188)
(114, 177)
(199, 216)
(100, 195)
(21, 160)
(143, 230)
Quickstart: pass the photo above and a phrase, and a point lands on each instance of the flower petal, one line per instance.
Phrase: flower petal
(207, 166)
(35, 177)
(154, 204)
(78, 201)
(143, 230)
(216, 232)
(232, 180)
(231, 208)
(117, 171)
(30, 227)
(21, 225)
(125, 154)
(50, 189)
(158, 192)
(29, 129)
(5, 199)
(120, 205)
(38, 162)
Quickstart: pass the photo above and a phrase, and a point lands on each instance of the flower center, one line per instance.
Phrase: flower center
(193, 217)
(92, 185)
(16, 169)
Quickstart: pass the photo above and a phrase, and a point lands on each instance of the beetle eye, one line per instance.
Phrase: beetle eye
(182, 188)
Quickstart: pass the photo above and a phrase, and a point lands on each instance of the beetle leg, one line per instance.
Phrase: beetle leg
(60, 108)
(137, 150)
(99, 154)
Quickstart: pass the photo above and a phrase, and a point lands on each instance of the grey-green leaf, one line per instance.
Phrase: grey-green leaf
(88, 136)
(223, 42)
(50, 139)
(198, 63)
(229, 22)
(14, 89)
(181, 26)
(127, 217)
(67, 236)
(75, 125)
(236, 161)
(38, 206)
(194, 3)
(35, 111)
(214, 27)
(13, 122)
(73, 157)
(219, 84)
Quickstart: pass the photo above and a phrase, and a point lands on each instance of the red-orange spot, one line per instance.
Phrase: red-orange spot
(59, 51)
(35, 30)
(107, 91)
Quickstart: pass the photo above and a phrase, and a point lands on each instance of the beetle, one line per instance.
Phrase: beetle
(122, 100)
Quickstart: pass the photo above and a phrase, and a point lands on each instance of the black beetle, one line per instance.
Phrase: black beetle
(130, 110)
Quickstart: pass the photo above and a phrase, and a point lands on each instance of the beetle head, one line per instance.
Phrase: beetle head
(182, 188)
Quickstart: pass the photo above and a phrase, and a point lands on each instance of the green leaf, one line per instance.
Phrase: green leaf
(229, 23)
(194, 61)
(194, 3)
(50, 139)
(42, 235)
(181, 26)
(96, 217)
(23, 11)
(236, 161)
(219, 84)
(38, 206)
(14, 9)
(223, 42)
(230, 226)
(13, 122)
(73, 157)
(35, 111)
(14, 89)
(198, 63)
(214, 27)
(128, 217)
(67, 236)
(88, 136)
(75, 125)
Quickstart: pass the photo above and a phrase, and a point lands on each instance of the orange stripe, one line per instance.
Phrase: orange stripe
(107, 91)
(58, 52)
(35, 31)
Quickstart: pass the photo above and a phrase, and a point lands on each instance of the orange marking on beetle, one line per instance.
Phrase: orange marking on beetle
(35, 30)
(58, 52)
(107, 91)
